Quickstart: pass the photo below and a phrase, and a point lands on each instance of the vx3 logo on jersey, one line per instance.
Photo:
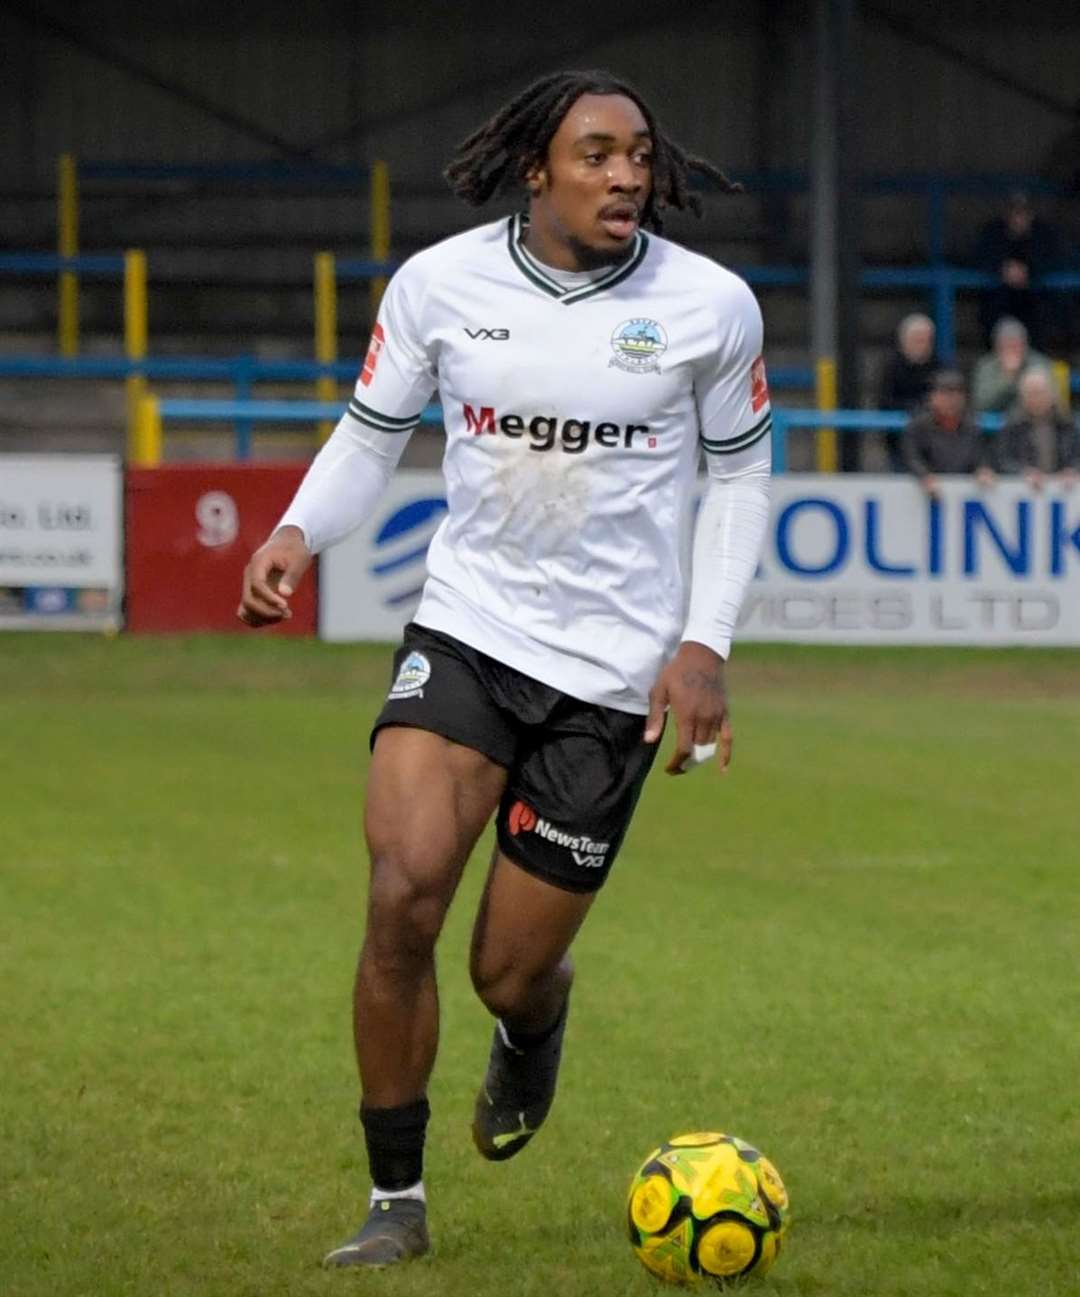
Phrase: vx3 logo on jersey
(488, 335)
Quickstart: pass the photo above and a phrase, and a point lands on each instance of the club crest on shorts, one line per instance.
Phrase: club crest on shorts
(638, 345)
(412, 675)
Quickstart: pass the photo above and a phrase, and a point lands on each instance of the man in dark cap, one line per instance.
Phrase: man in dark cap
(943, 438)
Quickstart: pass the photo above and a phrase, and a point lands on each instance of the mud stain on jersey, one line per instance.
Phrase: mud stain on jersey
(545, 501)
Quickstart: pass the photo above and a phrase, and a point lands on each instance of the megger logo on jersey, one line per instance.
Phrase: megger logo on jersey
(543, 431)
(587, 853)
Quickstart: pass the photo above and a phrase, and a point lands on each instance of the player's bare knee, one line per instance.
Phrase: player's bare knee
(502, 996)
(405, 912)
(507, 989)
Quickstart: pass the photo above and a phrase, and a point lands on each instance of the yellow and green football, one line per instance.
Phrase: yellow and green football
(707, 1208)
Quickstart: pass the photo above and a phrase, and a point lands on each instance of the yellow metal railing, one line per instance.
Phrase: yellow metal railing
(1063, 382)
(326, 332)
(67, 245)
(135, 329)
(826, 457)
(145, 440)
(380, 228)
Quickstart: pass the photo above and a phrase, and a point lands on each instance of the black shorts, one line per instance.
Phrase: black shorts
(575, 769)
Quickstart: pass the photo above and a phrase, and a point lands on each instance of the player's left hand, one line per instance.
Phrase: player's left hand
(692, 687)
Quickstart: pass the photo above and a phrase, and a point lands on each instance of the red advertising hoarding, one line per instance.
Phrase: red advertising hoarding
(190, 529)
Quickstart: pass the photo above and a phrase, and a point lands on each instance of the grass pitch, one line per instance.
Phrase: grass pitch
(858, 950)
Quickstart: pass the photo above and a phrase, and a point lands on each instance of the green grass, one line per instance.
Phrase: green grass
(858, 950)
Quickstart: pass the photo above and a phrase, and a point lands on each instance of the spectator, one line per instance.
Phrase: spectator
(1017, 247)
(905, 379)
(1040, 440)
(998, 372)
(942, 437)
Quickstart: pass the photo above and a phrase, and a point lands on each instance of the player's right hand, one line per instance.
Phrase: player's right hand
(271, 577)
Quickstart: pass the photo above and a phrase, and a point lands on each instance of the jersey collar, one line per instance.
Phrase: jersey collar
(535, 274)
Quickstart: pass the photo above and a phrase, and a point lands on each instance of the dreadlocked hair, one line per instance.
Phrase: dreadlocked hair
(497, 157)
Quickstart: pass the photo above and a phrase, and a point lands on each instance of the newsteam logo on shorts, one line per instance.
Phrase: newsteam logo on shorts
(412, 675)
(587, 853)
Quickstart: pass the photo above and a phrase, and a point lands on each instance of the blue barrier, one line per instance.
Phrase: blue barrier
(243, 372)
(849, 421)
(50, 263)
(246, 412)
(243, 413)
(941, 281)
(363, 268)
(791, 378)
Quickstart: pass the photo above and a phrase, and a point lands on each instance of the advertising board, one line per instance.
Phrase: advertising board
(191, 529)
(849, 559)
(60, 542)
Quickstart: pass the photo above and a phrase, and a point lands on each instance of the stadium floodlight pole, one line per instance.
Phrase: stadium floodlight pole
(835, 254)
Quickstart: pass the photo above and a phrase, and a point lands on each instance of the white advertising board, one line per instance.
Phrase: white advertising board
(849, 559)
(869, 560)
(61, 524)
(369, 584)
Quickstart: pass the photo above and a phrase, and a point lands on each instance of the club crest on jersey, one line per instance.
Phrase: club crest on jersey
(412, 675)
(638, 345)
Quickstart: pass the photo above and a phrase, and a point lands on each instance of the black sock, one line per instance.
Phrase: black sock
(526, 1040)
(395, 1143)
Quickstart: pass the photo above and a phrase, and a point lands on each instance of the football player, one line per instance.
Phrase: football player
(584, 363)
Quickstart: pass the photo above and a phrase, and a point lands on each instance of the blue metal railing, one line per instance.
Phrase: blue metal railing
(244, 372)
(363, 268)
(848, 421)
(242, 414)
(210, 411)
(109, 265)
(240, 371)
(940, 282)
(246, 412)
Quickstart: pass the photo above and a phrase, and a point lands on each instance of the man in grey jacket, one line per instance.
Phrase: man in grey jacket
(1039, 440)
(942, 437)
(994, 383)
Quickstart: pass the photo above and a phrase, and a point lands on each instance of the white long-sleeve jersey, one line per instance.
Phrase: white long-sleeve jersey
(575, 415)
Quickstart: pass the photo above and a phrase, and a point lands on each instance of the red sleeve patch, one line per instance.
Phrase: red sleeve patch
(759, 386)
(378, 341)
